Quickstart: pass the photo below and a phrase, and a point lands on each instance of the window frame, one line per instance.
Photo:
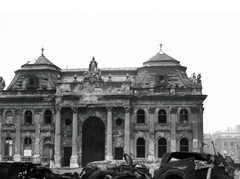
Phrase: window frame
(140, 117)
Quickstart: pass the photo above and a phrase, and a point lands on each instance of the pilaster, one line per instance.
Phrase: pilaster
(109, 155)
(151, 121)
(173, 118)
(74, 157)
(37, 117)
(1, 120)
(195, 121)
(17, 155)
(127, 131)
(57, 145)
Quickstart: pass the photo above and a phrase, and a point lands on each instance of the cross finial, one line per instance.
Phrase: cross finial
(42, 51)
(160, 52)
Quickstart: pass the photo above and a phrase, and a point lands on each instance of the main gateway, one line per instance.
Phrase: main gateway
(88, 114)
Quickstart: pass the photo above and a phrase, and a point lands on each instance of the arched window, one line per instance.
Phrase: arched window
(28, 117)
(9, 117)
(162, 147)
(140, 116)
(47, 147)
(140, 148)
(27, 142)
(8, 147)
(184, 145)
(48, 117)
(162, 116)
(184, 116)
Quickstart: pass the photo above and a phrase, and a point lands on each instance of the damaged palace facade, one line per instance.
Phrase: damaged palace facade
(75, 116)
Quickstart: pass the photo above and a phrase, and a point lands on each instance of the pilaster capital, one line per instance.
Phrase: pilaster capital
(58, 110)
(38, 111)
(173, 110)
(151, 110)
(109, 109)
(74, 109)
(194, 110)
(127, 109)
(18, 111)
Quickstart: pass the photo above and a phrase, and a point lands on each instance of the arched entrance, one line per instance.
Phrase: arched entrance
(93, 140)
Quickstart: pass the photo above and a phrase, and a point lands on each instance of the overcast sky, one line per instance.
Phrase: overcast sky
(203, 38)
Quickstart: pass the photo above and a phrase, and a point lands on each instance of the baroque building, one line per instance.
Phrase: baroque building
(75, 116)
(225, 142)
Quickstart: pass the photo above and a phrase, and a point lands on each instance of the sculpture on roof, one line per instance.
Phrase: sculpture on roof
(2, 83)
(93, 73)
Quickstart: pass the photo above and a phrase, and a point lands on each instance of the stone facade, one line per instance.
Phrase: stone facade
(74, 116)
(226, 142)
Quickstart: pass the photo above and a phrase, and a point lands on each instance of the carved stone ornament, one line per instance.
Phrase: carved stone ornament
(151, 110)
(2, 83)
(74, 109)
(127, 109)
(109, 109)
(93, 73)
(18, 111)
(37, 111)
(58, 109)
(173, 110)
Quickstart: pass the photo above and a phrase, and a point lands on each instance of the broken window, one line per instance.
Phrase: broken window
(28, 117)
(140, 148)
(184, 116)
(162, 116)
(162, 147)
(184, 145)
(8, 147)
(48, 117)
(140, 116)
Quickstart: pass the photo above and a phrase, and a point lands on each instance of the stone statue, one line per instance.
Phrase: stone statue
(2, 83)
(199, 78)
(92, 66)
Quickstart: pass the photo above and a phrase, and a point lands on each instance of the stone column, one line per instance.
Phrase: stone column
(109, 155)
(127, 131)
(196, 140)
(57, 144)
(151, 123)
(74, 157)
(1, 121)
(17, 155)
(37, 118)
(173, 118)
(200, 124)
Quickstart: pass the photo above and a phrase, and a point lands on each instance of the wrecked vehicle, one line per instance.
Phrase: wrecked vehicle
(15, 170)
(122, 171)
(193, 165)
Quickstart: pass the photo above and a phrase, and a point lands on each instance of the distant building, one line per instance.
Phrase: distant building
(87, 114)
(226, 142)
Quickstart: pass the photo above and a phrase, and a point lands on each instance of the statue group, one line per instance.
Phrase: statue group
(93, 72)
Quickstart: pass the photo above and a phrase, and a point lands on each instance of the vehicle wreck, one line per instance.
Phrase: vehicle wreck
(189, 165)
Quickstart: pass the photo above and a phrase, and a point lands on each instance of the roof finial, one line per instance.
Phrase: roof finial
(42, 51)
(160, 52)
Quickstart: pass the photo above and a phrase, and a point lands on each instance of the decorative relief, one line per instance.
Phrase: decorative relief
(74, 109)
(18, 111)
(151, 110)
(109, 109)
(37, 111)
(58, 110)
(127, 109)
(173, 110)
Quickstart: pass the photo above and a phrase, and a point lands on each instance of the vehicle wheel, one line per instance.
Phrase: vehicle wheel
(173, 177)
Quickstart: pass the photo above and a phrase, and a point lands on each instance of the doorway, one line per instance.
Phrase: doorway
(93, 140)
(67, 156)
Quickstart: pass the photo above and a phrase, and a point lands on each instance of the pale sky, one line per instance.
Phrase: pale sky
(203, 37)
